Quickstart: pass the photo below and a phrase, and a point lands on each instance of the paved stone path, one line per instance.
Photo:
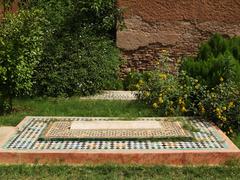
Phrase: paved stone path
(113, 95)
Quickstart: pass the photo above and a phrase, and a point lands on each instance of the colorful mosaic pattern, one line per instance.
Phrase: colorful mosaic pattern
(114, 95)
(121, 130)
(28, 136)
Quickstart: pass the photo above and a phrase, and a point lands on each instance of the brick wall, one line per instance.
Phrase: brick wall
(177, 25)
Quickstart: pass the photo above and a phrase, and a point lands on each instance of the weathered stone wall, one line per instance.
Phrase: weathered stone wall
(176, 25)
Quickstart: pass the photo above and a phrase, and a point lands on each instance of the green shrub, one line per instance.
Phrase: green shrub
(214, 70)
(234, 45)
(21, 42)
(79, 65)
(216, 46)
(78, 57)
(217, 60)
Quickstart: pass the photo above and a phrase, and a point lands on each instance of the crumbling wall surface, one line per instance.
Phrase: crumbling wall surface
(177, 25)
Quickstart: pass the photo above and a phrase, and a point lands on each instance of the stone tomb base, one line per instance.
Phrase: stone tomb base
(85, 140)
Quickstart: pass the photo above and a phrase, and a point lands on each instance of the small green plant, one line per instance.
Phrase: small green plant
(134, 80)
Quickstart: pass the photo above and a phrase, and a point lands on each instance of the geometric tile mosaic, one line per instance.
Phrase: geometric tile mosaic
(113, 130)
(29, 135)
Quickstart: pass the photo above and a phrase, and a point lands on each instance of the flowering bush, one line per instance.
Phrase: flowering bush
(171, 95)
(183, 95)
(223, 106)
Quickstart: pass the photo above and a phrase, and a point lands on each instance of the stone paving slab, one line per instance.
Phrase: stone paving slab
(113, 95)
(5, 133)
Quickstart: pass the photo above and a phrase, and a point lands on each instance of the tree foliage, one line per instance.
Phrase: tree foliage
(21, 47)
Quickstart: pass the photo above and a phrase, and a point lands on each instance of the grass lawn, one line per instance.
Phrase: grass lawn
(117, 172)
(76, 107)
(73, 107)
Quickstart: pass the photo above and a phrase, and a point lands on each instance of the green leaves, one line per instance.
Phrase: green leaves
(217, 59)
(61, 47)
(83, 66)
(20, 50)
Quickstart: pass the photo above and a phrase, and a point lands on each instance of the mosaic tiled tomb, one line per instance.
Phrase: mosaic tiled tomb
(49, 133)
(174, 141)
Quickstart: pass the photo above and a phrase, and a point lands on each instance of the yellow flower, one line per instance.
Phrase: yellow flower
(155, 105)
(141, 82)
(202, 109)
(179, 61)
(213, 95)
(137, 86)
(224, 108)
(221, 79)
(218, 110)
(231, 104)
(223, 118)
(146, 94)
(180, 101)
(197, 86)
(183, 109)
(163, 76)
(160, 99)
(164, 51)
